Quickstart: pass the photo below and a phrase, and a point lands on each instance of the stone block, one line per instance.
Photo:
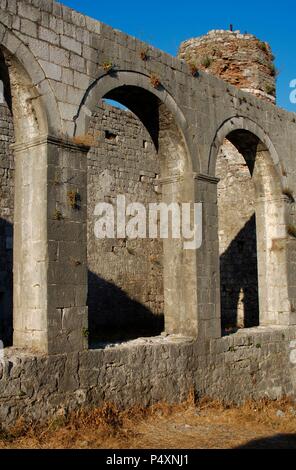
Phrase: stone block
(29, 27)
(59, 56)
(71, 45)
(51, 70)
(48, 36)
(28, 11)
(67, 76)
(68, 111)
(81, 80)
(40, 49)
(77, 63)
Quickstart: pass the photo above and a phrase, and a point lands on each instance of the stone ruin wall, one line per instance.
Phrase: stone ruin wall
(247, 63)
(129, 273)
(125, 276)
(252, 363)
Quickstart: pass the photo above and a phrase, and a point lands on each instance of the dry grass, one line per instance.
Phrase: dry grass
(205, 424)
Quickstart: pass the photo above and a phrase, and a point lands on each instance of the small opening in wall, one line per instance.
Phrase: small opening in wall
(110, 135)
(145, 144)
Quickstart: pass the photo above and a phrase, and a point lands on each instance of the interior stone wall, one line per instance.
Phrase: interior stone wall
(125, 280)
(237, 240)
(6, 211)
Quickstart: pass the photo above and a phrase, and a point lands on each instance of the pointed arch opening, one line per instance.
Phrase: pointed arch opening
(252, 229)
(135, 286)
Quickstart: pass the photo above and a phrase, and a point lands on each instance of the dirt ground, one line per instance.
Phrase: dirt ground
(192, 425)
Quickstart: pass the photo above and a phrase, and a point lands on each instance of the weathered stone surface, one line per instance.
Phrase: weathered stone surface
(6, 218)
(239, 59)
(125, 276)
(144, 371)
(54, 74)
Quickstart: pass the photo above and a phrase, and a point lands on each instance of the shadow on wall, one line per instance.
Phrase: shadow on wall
(6, 284)
(239, 280)
(114, 316)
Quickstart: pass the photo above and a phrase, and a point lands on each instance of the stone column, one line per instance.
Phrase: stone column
(276, 260)
(191, 276)
(179, 266)
(208, 265)
(50, 265)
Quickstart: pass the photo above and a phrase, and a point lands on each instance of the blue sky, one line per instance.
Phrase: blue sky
(165, 24)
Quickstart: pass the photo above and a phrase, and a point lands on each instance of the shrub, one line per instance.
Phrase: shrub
(155, 81)
(270, 89)
(206, 61)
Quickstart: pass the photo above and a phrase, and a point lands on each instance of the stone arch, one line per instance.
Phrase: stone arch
(23, 63)
(242, 123)
(35, 116)
(167, 126)
(270, 213)
(108, 82)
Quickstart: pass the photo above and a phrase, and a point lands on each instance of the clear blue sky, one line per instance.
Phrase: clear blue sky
(165, 24)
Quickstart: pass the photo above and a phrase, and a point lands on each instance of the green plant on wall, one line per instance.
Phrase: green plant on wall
(85, 332)
(193, 69)
(263, 46)
(155, 81)
(144, 54)
(57, 215)
(206, 61)
(270, 89)
(108, 66)
(74, 199)
(273, 70)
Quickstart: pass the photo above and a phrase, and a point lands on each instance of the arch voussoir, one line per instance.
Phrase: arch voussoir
(21, 54)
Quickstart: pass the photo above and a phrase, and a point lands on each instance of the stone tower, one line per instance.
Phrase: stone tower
(240, 59)
(247, 63)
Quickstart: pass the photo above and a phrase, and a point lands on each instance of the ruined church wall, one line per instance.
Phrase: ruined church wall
(68, 50)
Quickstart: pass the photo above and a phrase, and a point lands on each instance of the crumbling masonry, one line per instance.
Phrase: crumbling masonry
(137, 321)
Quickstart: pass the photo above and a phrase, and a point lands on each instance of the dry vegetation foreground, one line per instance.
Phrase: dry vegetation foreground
(202, 425)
